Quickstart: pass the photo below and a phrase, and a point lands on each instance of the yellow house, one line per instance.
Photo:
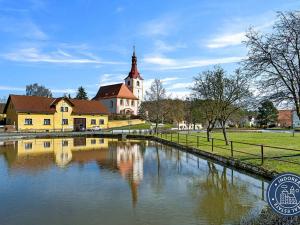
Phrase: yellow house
(35, 113)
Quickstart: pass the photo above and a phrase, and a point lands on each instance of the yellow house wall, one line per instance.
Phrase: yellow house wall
(55, 119)
(122, 123)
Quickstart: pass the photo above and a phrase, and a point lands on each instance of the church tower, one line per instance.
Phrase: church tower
(134, 81)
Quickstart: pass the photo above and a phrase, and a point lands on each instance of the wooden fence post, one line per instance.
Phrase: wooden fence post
(178, 138)
(231, 148)
(262, 154)
(212, 144)
(186, 139)
(197, 141)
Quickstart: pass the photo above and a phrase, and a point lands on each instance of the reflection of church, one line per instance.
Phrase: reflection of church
(130, 163)
(288, 197)
(34, 155)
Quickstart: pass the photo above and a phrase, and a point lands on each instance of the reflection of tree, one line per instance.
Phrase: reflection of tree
(218, 199)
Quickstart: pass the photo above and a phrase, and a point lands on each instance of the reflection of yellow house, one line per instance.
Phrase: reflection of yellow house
(47, 114)
(35, 155)
(62, 149)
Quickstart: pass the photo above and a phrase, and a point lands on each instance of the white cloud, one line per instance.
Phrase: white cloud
(111, 78)
(164, 63)
(9, 88)
(185, 85)
(34, 55)
(67, 90)
(161, 46)
(227, 40)
(24, 28)
(233, 31)
(158, 27)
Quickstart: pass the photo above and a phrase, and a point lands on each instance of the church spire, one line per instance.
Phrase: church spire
(134, 73)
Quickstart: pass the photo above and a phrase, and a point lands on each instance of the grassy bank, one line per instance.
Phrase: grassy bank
(279, 160)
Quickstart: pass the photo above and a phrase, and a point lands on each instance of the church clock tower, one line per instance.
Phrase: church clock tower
(134, 81)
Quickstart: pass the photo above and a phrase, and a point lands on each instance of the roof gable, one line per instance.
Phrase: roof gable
(115, 91)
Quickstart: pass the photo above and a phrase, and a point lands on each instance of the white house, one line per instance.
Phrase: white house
(296, 120)
(123, 98)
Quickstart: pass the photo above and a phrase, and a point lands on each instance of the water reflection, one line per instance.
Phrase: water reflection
(162, 185)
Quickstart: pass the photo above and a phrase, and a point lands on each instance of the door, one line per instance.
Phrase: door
(79, 124)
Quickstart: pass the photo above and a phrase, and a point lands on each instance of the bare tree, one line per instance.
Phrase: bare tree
(275, 59)
(223, 96)
(156, 96)
(38, 90)
(234, 95)
(204, 89)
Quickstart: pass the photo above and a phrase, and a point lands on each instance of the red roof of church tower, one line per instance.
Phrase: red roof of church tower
(134, 73)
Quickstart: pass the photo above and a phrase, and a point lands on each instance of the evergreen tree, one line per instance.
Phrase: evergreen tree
(81, 93)
(267, 113)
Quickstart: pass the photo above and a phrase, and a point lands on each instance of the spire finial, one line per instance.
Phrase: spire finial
(133, 50)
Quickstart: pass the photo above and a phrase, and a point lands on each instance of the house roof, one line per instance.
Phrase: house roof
(37, 104)
(114, 91)
(2, 106)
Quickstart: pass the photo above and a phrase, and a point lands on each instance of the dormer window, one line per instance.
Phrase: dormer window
(64, 109)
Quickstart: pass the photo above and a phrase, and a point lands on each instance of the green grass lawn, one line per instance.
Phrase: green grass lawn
(141, 126)
(286, 161)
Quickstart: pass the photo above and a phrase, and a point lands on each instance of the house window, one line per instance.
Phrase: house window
(121, 102)
(65, 121)
(47, 122)
(93, 141)
(128, 83)
(93, 122)
(132, 103)
(138, 83)
(64, 109)
(101, 121)
(28, 121)
(127, 102)
(111, 104)
(47, 144)
(101, 141)
(28, 145)
(65, 143)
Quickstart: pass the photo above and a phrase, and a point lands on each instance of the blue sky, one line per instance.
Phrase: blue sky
(66, 44)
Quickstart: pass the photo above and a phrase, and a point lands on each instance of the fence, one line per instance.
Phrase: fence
(254, 153)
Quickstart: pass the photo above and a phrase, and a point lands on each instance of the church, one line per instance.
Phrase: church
(123, 98)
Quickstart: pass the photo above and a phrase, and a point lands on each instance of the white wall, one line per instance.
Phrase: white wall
(296, 120)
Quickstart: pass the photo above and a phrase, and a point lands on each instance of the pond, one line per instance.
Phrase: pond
(107, 181)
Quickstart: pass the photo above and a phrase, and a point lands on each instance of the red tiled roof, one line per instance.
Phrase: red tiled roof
(114, 91)
(37, 104)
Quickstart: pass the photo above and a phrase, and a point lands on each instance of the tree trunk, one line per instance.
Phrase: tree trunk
(208, 133)
(224, 132)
